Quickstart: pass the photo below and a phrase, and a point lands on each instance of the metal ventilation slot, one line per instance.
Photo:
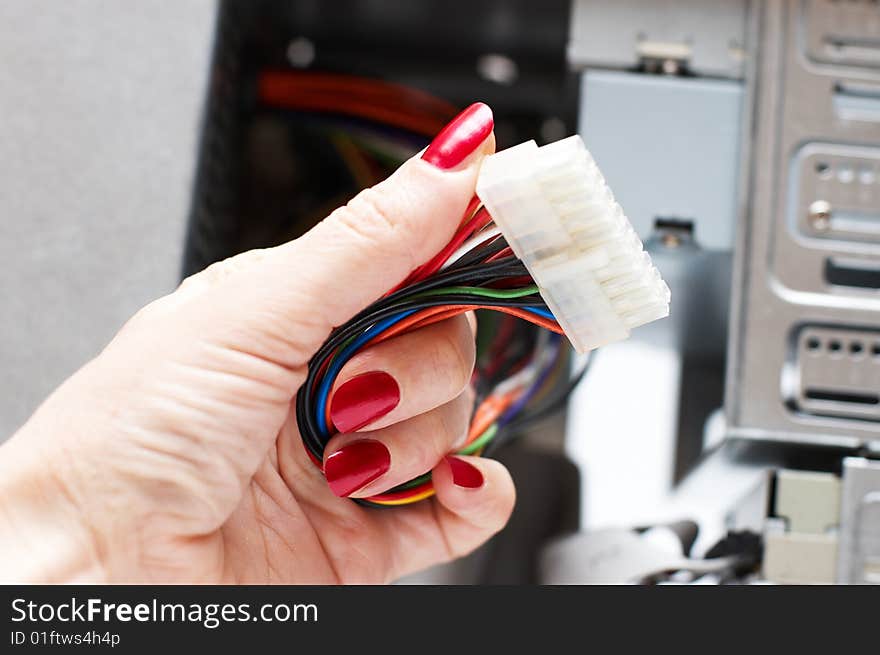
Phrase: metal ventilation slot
(842, 32)
(857, 101)
(835, 372)
(852, 273)
(852, 48)
(842, 397)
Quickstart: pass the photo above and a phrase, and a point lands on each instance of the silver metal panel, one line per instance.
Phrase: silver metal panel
(834, 372)
(859, 545)
(847, 180)
(670, 148)
(616, 34)
(842, 32)
(779, 281)
(100, 104)
(679, 158)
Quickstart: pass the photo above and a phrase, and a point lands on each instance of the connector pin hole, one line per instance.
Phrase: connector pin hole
(813, 344)
(835, 346)
(856, 348)
(846, 174)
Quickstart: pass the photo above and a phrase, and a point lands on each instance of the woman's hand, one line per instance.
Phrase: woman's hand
(174, 455)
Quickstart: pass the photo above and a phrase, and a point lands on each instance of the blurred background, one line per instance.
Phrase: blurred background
(737, 441)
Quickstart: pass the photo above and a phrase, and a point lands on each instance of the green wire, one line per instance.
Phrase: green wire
(475, 291)
(490, 432)
(481, 441)
(482, 291)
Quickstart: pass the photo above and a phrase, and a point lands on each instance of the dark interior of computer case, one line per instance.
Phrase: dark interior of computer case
(309, 101)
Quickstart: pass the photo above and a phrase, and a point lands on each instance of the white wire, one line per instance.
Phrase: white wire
(481, 237)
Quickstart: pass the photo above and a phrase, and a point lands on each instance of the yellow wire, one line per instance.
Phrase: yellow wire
(404, 501)
(411, 499)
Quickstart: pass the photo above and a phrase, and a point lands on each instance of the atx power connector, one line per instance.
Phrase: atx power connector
(560, 218)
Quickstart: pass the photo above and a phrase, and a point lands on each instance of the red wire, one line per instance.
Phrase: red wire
(480, 220)
(513, 282)
(475, 218)
(499, 345)
(433, 315)
(507, 252)
(469, 225)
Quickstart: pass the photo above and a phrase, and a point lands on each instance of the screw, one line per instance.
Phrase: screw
(671, 240)
(671, 67)
(820, 215)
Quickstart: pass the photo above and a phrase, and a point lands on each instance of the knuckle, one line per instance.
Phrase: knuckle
(371, 207)
(366, 216)
(219, 271)
(213, 273)
(375, 218)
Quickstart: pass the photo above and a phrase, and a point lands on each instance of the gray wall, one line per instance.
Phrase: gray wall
(100, 104)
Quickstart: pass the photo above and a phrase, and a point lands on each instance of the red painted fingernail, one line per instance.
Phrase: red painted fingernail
(356, 465)
(362, 400)
(460, 137)
(464, 474)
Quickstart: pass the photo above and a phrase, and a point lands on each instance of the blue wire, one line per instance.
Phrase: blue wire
(339, 361)
(546, 313)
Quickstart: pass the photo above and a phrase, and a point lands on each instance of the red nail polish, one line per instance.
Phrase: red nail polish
(362, 400)
(356, 465)
(460, 137)
(464, 474)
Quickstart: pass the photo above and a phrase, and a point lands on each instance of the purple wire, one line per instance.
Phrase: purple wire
(523, 400)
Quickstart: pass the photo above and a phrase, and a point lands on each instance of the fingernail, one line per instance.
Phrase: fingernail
(464, 474)
(460, 137)
(356, 465)
(363, 399)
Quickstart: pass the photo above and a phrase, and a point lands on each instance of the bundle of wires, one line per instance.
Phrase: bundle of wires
(378, 101)
(374, 125)
(476, 270)
(343, 133)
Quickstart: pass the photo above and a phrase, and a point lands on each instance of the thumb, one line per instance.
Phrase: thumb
(371, 244)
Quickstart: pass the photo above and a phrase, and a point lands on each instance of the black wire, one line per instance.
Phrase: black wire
(473, 275)
(401, 301)
(482, 253)
(470, 270)
(307, 421)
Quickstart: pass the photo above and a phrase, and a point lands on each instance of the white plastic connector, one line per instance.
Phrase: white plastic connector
(561, 219)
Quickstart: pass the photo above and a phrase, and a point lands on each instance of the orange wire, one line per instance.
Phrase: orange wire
(487, 413)
(436, 318)
(433, 315)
